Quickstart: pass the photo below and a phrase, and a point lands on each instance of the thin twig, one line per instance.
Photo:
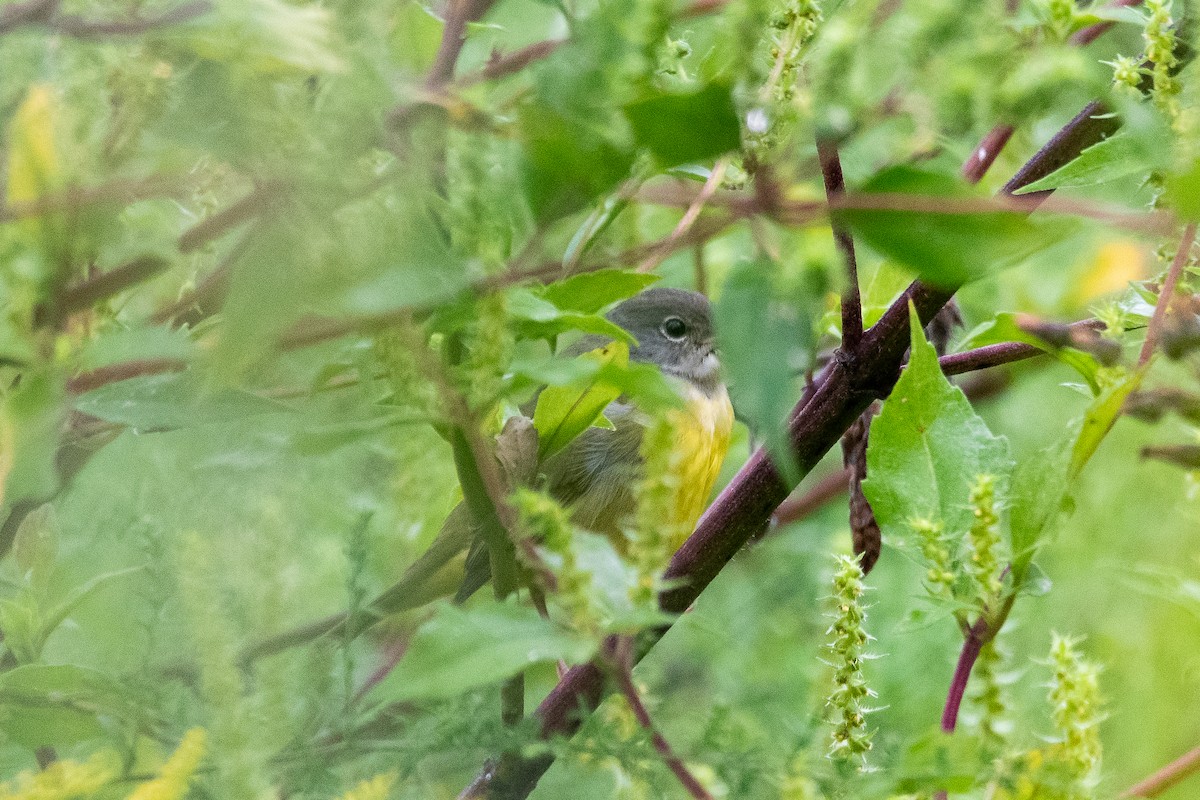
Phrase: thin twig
(688, 219)
(1085, 36)
(835, 187)
(622, 664)
(459, 14)
(32, 12)
(1182, 767)
(984, 154)
(1167, 292)
(212, 227)
(90, 291)
(502, 66)
(82, 28)
(78, 197)
(101, 376)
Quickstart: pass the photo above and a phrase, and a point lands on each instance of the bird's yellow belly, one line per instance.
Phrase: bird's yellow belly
(703, 428)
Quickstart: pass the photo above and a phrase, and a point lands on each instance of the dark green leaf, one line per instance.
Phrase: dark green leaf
(567, 165)
(681, 128)
(945, 249)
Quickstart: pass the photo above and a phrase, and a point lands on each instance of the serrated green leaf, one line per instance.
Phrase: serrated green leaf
(927, 445)
(945, 249)
(461, 649)
(682, 128)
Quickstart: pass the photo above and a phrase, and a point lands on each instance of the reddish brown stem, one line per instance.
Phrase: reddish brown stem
(623, 670)
(837, 398)
(1167, 292)
(82, 28)
(984, 154)
(454, 35)
(90, 291)
(94, 379)
(972, 644)
(1168, 776)
(228, 218)
(835, 186)
(1085, 36)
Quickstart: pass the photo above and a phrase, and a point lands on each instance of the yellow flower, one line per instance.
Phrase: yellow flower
(64, 780)
(376, 788)
(176, 775)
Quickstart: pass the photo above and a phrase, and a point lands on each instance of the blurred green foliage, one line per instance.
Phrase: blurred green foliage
(262, 261)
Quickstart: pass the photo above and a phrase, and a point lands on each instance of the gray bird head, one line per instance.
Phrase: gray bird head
(673, 328)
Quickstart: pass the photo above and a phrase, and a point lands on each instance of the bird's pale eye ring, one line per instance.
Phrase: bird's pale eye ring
(674, 328)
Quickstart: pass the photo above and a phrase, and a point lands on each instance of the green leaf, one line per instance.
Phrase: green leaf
(1119, 156)
(58, 615)
(1005, 328)
(1183, 191)
(682, 128)
(590, 292)
(115, 345)
(566, 165)
(1041, 484)
(945, 249)
(461, 649)
(564, 412)
(32, 416)
(168, 402)
(760, 338)
(1039, 489)
(1101, 415)
(35, 546)
(927, 445)
(538, 318)
(44, 705)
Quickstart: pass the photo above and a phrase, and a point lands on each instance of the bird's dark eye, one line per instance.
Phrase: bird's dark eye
(674, 328)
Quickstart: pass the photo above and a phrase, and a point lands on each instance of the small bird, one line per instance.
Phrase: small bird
(594, 477)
